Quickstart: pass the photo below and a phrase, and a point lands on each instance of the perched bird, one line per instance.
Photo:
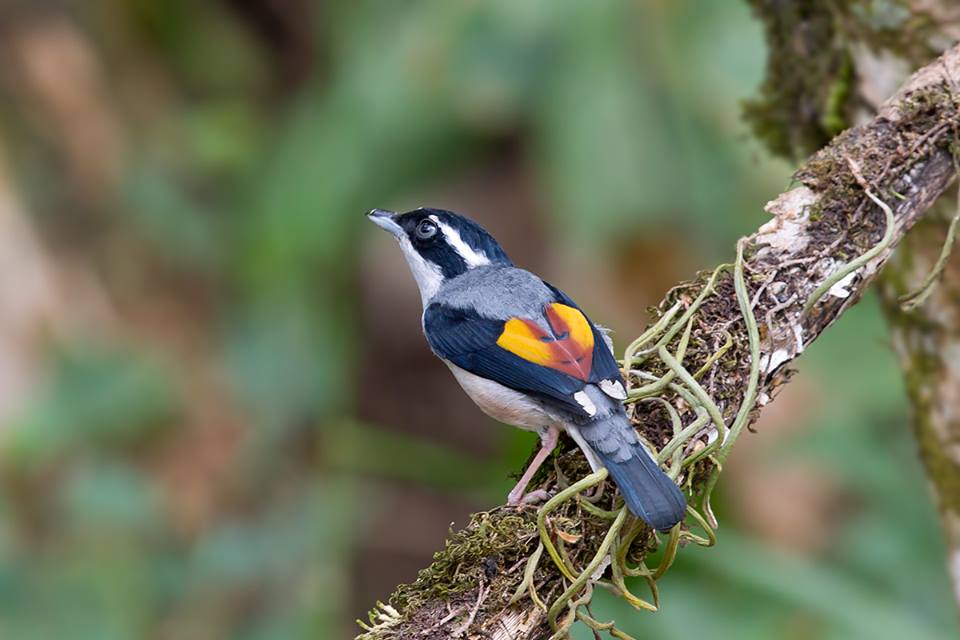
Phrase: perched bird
(527, 355)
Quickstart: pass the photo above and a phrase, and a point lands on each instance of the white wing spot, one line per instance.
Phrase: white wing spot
(614, 389)
(770, 363)
(585, 402)
(607, 340)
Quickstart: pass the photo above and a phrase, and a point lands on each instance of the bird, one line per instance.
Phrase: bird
(527, 355)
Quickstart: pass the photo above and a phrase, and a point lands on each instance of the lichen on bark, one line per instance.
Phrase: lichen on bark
(883, 40)
(803, 97)
(811, 90)
(927, 343)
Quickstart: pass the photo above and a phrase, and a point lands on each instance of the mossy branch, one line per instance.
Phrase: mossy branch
(919, 289)
(716, 354)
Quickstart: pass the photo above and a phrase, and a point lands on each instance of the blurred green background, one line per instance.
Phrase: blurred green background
(218, 418)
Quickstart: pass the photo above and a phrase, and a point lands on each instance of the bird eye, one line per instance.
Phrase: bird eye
(426, 230)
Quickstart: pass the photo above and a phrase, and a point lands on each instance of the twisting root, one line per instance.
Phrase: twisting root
(588, 571)
(749, 398)
(527, 586)
(591, 480)
(623, 533)
(867, 256)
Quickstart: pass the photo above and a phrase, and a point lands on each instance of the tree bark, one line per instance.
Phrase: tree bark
(830, 221)
(875, 50)
(926, 337)
(927, 342)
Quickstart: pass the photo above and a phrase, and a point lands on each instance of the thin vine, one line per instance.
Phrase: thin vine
(706, 438)
(852, 266)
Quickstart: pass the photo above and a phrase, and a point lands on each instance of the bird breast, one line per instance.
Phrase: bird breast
(502, 403)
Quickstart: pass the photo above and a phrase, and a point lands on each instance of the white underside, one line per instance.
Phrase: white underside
(502, 403)
(512, 407)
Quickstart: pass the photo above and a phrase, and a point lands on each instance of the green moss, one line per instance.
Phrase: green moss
(884, 152)
(924, 365)
(923, 374)
(804, 96)
(834, 119)
(808, 91)
(497, 540)
(485, 545)
(899, 27)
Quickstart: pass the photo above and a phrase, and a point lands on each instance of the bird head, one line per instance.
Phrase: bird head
(439, 245)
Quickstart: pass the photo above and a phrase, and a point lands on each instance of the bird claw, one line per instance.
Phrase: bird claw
(534, 497)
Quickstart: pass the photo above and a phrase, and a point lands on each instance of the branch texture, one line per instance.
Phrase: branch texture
(717, 353)
(856, 55)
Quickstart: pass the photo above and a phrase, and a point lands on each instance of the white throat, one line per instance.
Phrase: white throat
(427, 275)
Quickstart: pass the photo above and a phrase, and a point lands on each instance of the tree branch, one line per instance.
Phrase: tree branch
(927, 341)
(698, 375)
(876, 50)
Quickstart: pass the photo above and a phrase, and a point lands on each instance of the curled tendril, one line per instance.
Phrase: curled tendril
(861, 260)
(622, 531)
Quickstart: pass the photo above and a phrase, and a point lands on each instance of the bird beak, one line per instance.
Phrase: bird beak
(384, 219)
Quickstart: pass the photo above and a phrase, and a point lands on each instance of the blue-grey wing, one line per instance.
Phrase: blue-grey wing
(469, 341)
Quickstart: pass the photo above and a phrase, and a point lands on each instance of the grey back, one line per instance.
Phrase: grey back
(497, 292)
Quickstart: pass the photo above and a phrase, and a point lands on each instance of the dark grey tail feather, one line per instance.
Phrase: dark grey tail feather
(649, 493)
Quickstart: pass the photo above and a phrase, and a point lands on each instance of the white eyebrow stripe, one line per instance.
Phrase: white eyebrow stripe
(472, 257)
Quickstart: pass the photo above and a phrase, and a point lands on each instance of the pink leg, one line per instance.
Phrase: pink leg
(547, 443)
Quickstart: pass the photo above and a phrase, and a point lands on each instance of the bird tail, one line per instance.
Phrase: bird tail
(649, 493)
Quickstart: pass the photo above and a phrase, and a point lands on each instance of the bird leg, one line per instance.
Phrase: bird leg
(548, 441)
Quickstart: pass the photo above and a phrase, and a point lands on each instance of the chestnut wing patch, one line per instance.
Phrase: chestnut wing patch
(604, 370)
(469, 341)
(566, 347)
(552, 365)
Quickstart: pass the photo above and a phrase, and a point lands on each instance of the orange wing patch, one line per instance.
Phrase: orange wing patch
(568, 348)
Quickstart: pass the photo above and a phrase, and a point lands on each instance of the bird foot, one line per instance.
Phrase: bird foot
(534, 497)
